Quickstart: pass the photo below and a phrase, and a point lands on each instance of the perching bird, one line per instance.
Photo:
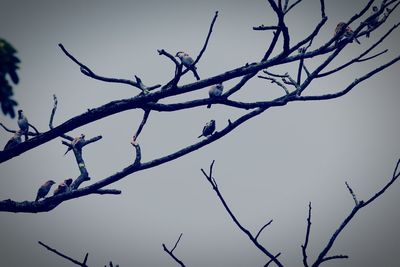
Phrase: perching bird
(68, 181)
(372, 22)
(76, 141)
(15, 140)
(343, 31)
(188, 61)
(63, 187)
(208, 129)
(215, 91)
(23, 123)
(44, 189)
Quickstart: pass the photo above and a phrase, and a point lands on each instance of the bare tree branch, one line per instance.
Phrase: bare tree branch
(253, 239)
(304, 247)
(171, 252)
(361, 204)
(53, 111)
(262, 228)
(82, 264)
(88, 72)
(352, 193)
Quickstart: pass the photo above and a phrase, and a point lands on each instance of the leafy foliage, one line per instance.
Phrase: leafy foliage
(8, 66)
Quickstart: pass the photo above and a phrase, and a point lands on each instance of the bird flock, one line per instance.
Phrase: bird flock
(341, 32)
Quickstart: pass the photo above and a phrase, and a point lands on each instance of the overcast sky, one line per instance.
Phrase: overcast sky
(269, 168)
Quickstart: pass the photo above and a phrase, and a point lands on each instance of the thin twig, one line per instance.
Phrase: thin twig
(214, 185)
(88, 72)
(82, 264)
(304, 247)
(352, 193)
(171, 252)
(262, 228)
(53, 111)
(361, 204)
(291, 6)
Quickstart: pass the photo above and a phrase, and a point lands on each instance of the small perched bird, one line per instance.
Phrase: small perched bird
(63, 187)
(215, 91)
(343, 31)
(188, 61)
(15, 140)
(372, 22)
(44, 189)
(23, 123)
(208, 129)
(75, 142)
(68, 181)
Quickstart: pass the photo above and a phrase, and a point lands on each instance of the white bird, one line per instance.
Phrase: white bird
(15, 140)
(23, 123)
(75, 142)
(188, 61)
(215, 91)
(208, 129)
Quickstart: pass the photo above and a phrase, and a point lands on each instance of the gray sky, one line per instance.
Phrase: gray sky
(269, 168)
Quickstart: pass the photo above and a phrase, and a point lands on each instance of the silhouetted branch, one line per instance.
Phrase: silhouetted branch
(88, 72)
(107, 192)
(83, 264)
(304, 247)
(273, 80)
(253, 239)
(352, 193)
(271, 260)
(203, 49)
(265, 28)
(171, 252)
(144, 120)
(262, 228)
(361, 204)
(291, 6)
(53, 111)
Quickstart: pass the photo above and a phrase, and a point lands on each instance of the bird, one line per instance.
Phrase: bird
(342, 30)
(188, 61)
(215, 91)
(23, 123)
(76, 141)
(208, 129)
(44, 189)
(63, 187)
(68, 181)
(372, 22)
(15, 140)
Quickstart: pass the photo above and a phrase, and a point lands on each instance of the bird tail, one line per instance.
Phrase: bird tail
(358, 42)
(200, 136)
(195, 73)
(67, 151)
(37, 198)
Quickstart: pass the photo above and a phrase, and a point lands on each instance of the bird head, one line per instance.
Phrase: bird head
(82, 136)
(68, 181)
(375, 8)
(50, 182)
(179, 54)
(20, 112)
(219, 85)
(212, 122)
